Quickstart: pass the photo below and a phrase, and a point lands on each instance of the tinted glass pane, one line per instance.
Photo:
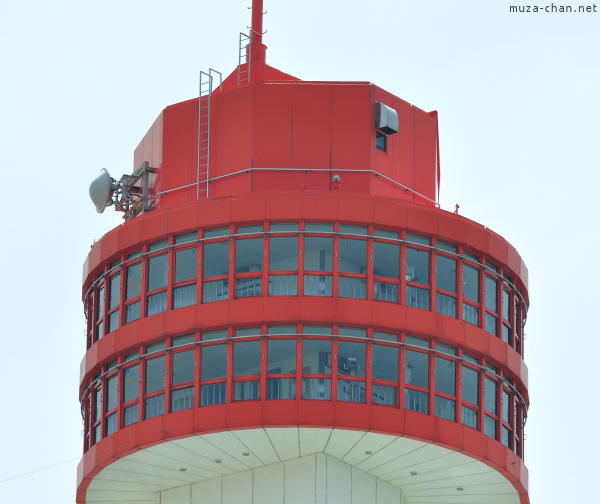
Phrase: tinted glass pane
(316, 388)
(355, 332)
(215, 393)
(157, 272)
(446, 273)
(155, 406)
(351, 358)
(246, 358)
(215, 233)
(417, 369)
(491, 295)
(353, 256)
(446, 305)
(281, 388)
(248, 255)
(243, 391)
(352, 229)
(417, 266)
(489, 426)
(98, 404)
(386, 257)
(158, 245)
(385, 363)
(490, 395)
(131, 379)
(471, 283)
(282, 356)
(353, 391)
(134, 280)
(505, 304)
(115, 283)
(215, 291)
(131, 415)
(318, 253)
(216, 259)
(186, 238)
(183, 367)
(445, 408)
(100, 301)
(445, 376)
(132, 312)
(469, 417)
(245, 287)
(505, 406)
(413, 238)
(416, 401)
(185, 264)
(417, 297)
(214, 362)
(182, 399)
(183, 340)
(283, 285)
(351, 287)
(184, 296)
(316, 356)
(111, 392)
(113, 321)
(318, 285)
(470, 385)
(283, 226)
(157, 303)
(283, 253)
(385, 395)
(254, 228)
(155, 374)
(321, 227)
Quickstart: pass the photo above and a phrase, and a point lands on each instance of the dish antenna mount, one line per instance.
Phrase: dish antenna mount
(129, 194)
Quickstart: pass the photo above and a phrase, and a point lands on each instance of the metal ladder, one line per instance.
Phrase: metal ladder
(245, 56)
(205, 92)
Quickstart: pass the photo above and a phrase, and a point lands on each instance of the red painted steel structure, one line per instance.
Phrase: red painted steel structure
(300, 160)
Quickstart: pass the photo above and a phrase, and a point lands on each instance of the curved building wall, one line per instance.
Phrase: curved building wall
(315, 310)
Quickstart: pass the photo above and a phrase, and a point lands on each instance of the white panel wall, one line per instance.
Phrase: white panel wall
(314, 479)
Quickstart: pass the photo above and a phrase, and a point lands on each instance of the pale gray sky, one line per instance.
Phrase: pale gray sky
(518, 101)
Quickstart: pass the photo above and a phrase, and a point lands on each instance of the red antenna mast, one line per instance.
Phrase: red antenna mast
(259, 50)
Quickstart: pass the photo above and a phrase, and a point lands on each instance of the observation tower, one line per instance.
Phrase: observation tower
(286, 314)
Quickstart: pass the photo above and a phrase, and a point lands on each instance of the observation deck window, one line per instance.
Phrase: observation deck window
(386, 269)
(417, 277)
(385, 370)
(131, 393)
(182, 380)
(316, 360)
(154, 390)
(351, 369)
(283, 261)
(470, 394)
(416, 379)
(133, 292)
(248, 267)
(184, 290)
(98, 328)
(470, 280)
(114, 302)
(445, 281)
(281, 369)
(157, 284)
(490, 425)
(353, 268)
(491, 305)
(318, 266)
(216, 268)
(445, 388)
(111, 403)
(213, 370)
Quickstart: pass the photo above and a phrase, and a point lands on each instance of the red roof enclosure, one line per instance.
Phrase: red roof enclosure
(290, 300)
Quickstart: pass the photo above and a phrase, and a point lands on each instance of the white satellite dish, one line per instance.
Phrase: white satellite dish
(101, 190)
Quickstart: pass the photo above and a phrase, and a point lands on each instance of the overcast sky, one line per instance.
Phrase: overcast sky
(518, 97)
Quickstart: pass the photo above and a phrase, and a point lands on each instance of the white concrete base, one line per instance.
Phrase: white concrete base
(314, 479)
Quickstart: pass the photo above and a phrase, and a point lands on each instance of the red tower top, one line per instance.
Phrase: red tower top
(287, 308)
